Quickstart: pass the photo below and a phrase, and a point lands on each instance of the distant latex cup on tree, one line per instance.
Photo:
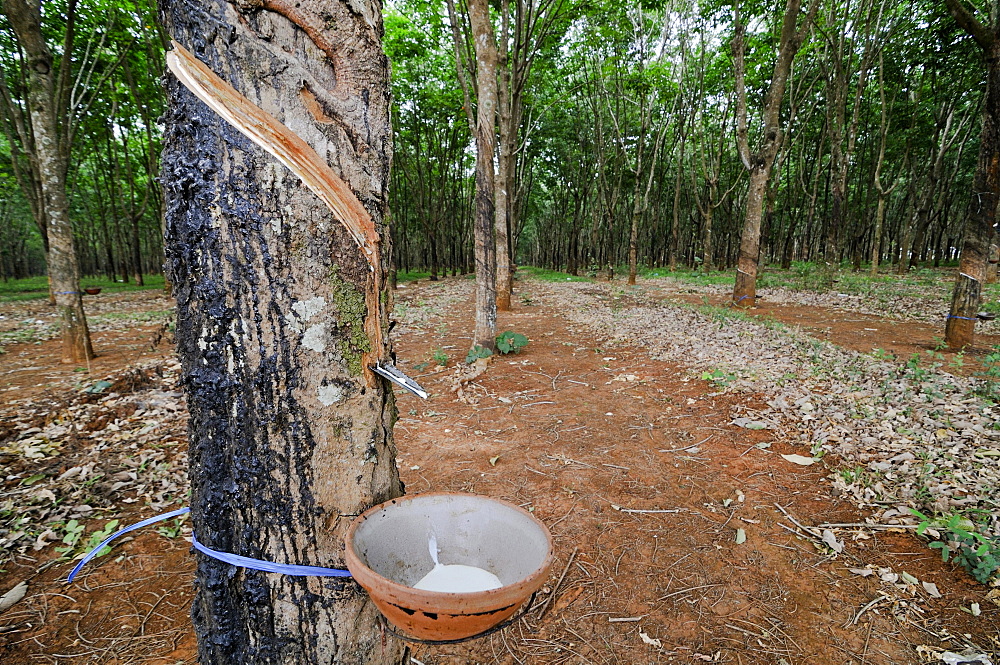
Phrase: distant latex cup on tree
(387, 553)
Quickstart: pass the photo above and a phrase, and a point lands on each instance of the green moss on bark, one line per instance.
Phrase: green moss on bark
(351, 313)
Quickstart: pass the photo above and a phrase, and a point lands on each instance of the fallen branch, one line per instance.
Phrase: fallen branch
(637, 510)
(682, 591)
(799, 524)
(865, 609)
(868, 526)
(544, 607)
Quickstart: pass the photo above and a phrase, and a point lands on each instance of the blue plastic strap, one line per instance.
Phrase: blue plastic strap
(233, 559)
(138, 525)
(739, 299)
(65, 293)
(964, 318)
(268, 566)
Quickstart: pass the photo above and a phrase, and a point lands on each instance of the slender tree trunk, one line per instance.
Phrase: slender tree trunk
(883, 193)
(51, 153)
(675, 222)
(506, 138)
(903, 264)
(838, 169)
(278, 316)
(745, 292)
(981, 214)
(136, 251)
(877, 237)
(759, 163)
(708, 258)
(485, 245)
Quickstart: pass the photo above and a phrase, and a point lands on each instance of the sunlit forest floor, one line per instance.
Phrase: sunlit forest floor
(721, 486)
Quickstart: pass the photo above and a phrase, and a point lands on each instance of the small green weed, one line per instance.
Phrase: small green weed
(511, 342)
(96, 537)
(988, 386)
(73, 534)
(856, 475)
(976, 553)
(881, 354)
(718, 377)
(440, 357)
(173, 528)
(477, 352)
(73, 530)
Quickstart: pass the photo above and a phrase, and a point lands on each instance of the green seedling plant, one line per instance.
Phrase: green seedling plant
(960, 542)
(477, 352)
(511, 342)
(856, 475)
(172, 529)
(73, 535)
(917, 372)
(989, 377)
(718, 377)
(72, 532)
(881, 354)
(98, 536)
(440, 357)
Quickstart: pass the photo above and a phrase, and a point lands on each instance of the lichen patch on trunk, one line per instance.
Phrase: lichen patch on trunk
(314, 338)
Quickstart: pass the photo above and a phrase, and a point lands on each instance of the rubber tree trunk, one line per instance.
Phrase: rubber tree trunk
(51, 157)
(760, 163)
(745, 291)
(504, 178)
(981, 214)
(289, 435)
(485, 246)
(877, 234)
(136, 251)
(708, 260)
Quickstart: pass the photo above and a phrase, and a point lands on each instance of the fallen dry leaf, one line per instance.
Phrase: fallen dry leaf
(651, 641)
(800, 459)
(13, 596)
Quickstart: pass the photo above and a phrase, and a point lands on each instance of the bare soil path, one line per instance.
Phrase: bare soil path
(681, 536)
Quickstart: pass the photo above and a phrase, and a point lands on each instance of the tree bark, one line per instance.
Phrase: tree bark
(981, 213)
(277, 309)
(883, 193)
(759, 163)
(507, 135)
(51, 162)
(485, 246)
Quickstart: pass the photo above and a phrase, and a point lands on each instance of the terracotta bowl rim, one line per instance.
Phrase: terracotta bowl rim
(523, 587)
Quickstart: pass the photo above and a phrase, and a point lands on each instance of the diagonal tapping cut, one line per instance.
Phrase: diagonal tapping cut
(289, 149)
(264, 130)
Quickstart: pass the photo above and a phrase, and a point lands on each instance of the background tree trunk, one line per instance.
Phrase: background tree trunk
(485, 247)
(507, 135)
(981, 215)
(46, 111)
(288, 439)
(759, 163)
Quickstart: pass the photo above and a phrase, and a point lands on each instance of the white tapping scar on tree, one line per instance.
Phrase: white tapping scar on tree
(264, 130)
(284, 144)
